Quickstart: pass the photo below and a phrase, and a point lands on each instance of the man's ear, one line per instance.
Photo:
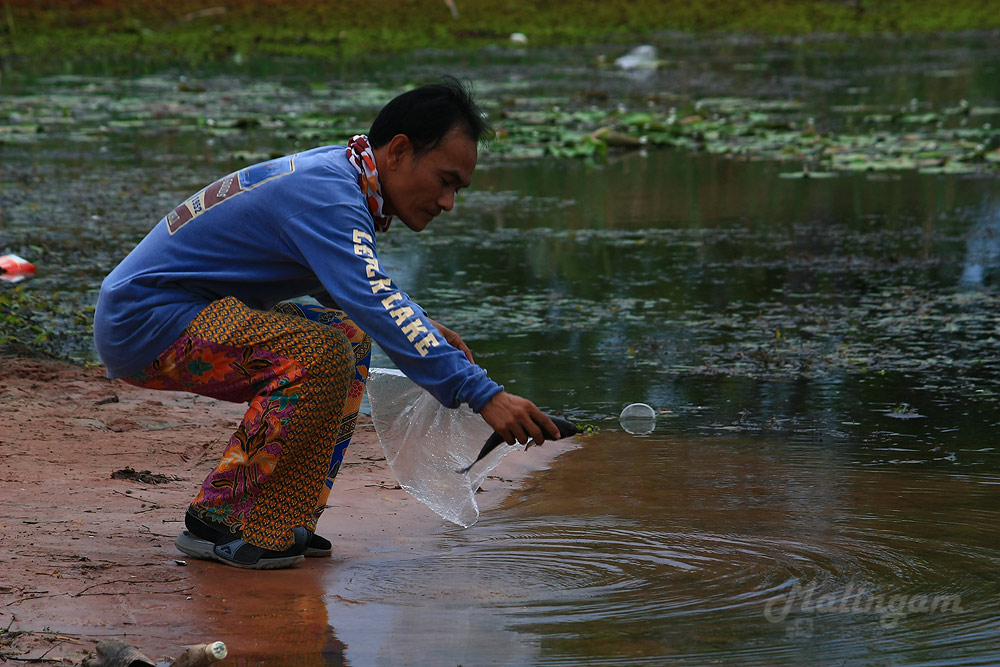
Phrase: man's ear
(398, 148)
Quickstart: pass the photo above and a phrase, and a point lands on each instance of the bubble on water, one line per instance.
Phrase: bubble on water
(638, 419)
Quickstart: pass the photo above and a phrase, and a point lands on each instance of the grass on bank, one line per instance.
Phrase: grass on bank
(199, 31)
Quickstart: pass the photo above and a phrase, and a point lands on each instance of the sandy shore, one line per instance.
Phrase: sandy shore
(85, 556)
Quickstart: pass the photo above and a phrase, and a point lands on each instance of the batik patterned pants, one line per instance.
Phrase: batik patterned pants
(302, 369)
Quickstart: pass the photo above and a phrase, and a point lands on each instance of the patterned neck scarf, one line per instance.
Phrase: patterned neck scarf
(362, 158)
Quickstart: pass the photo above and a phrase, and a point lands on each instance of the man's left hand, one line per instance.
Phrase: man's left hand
(454, 340)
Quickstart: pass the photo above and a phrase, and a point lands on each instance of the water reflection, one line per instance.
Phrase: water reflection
(421, 627)
(982, 254)
(835, 282)
(280, 618)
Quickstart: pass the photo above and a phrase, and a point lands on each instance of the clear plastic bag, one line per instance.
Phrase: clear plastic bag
(425, 443)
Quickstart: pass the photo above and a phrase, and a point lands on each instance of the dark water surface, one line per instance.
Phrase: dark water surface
(823, 483)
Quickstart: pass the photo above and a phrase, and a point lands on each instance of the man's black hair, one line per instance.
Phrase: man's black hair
(427, 113)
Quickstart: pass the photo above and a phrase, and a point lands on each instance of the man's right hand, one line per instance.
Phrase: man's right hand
(518, 419)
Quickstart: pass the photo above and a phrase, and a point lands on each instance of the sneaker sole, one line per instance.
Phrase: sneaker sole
(263, 563)
(196, 547)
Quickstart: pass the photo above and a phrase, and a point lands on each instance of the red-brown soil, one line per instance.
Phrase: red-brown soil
(85, 556)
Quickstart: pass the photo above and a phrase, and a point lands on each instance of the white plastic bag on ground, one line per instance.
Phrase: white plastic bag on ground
(425, 443)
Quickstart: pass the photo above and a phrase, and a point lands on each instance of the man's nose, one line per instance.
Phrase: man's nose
(447, 199)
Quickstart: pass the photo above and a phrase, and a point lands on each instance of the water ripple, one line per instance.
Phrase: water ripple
(863, 584)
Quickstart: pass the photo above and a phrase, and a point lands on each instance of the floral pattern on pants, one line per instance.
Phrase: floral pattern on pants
(301, 368)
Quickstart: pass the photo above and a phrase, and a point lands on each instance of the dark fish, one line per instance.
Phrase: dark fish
(566, 429)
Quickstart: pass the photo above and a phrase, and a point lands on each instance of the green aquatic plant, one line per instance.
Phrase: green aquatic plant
(751, 129)
(53, 30)
(953, 137)
(37, 324)
(16, 328)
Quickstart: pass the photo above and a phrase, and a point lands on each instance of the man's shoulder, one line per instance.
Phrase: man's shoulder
(324, 175)
(330, 161)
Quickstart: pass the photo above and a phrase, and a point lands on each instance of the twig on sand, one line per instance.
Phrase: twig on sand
(124, 581)
(46, 634)
(38, 659)
(150, 530)
(129, 495)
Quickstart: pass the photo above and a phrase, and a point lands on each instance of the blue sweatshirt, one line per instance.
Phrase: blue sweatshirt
(294, 226)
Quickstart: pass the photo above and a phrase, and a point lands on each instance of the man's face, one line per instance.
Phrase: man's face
(417, 188)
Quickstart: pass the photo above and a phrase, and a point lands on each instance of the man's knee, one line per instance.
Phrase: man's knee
(332, 356)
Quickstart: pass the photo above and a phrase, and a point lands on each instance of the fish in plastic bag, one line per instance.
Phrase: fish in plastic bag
(425, 442)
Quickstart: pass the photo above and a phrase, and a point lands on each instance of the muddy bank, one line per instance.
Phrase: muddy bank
(88, 554)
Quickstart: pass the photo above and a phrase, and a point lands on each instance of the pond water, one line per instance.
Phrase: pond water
(823, 481)
(700, 550)
(822, 484)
